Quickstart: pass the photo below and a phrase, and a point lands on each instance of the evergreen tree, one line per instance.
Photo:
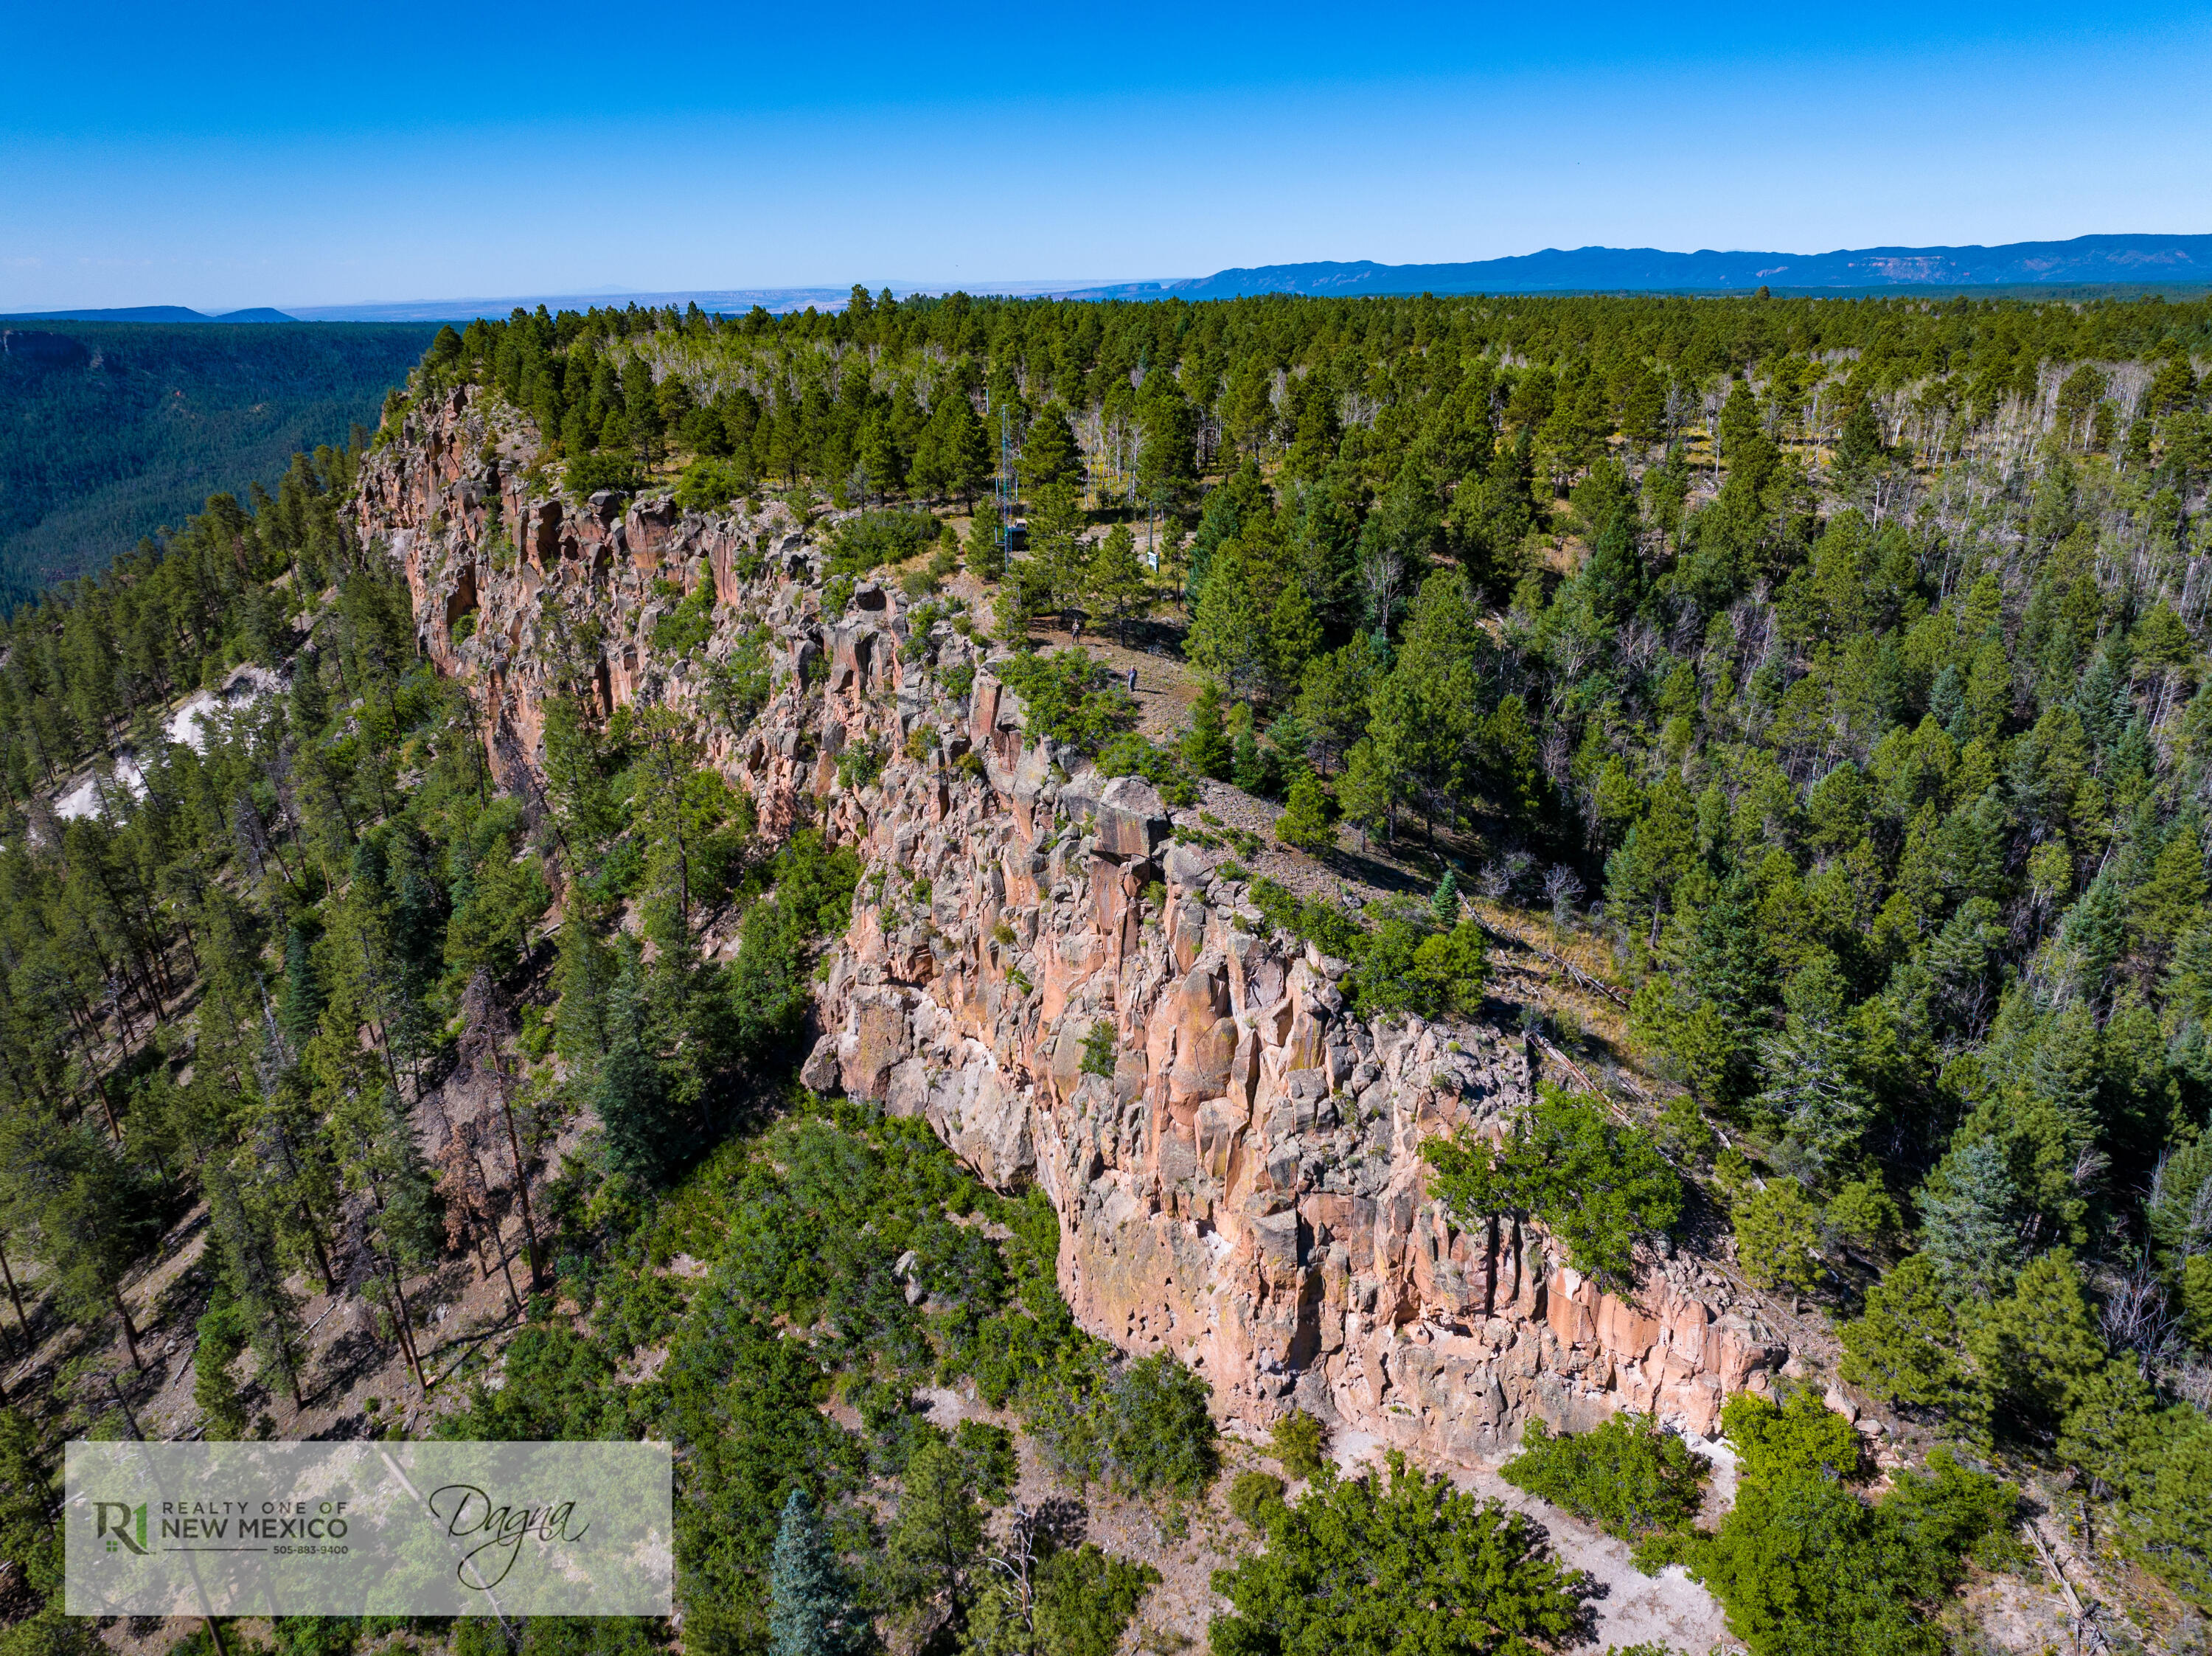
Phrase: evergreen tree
(1367, 795)
(1970, 1217)
(258, 1303)
(1905, 1349)
(1248, 764)
(812, 1610)
(1443, 902)
(967, 451)
(644, 1132)
(1116, 582)
(1614, 572)
(1813, 1087)
(1049, 454)
(1167, 460)
(222, 1336)
(29, 1535)
(1776, 1231)
(1206, 746)
(985, 554)
(1304, 823)
(69, 1194)
(1859, 448)
(303, 992)
(583, 977)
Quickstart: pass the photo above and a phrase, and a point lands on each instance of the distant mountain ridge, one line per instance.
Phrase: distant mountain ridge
(2183, 260)
(152, 314)
(2155, 261)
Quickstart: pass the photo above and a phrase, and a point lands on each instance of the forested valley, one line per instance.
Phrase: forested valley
(110, 430)
(1827, 676)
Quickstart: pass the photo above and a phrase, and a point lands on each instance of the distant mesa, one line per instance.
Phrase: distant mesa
(153, 314)
(2132, 260)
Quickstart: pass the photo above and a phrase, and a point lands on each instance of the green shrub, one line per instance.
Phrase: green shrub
(737, 685)
(1253, 1495)
(1143, 1427)
(1776, 1232)
(867, 542)
(1802, 1564)
(1161, 1435)
(1300, 1442)
(1407, 966)
(1397, 1562)
(316, 1635)
(1312, 919)
(535, 1037)
(1956, 1511)
(1069, 698)
(859, 766)
(1800, 1436)
(1130, 753)
(710, 484)
(1630, 1477)
(587, 474)
(1598, 1185)
(1098, 1049)
(688, 626)
(557, 1384)
(2165, 1480)
(1086, 1599)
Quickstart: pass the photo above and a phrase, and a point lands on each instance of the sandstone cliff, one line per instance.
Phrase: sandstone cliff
(1245, 1188)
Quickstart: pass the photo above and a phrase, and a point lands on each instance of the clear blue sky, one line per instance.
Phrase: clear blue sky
(237, 155)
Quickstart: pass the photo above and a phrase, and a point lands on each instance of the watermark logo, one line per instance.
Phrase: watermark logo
(491, 1535)
(119, 1525)
(369, 1529)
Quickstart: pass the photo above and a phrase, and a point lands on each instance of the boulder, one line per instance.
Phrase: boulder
(820, 1072)
(1131, 819)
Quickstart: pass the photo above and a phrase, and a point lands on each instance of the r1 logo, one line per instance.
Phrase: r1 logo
(119, 1525)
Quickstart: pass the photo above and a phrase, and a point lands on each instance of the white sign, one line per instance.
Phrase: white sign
(369, 1529)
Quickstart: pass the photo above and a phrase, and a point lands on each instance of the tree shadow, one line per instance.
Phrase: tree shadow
(352, 1356)
(1369, 869)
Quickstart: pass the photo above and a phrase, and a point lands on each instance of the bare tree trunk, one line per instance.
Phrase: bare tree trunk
(322, 1255)
(521, 1173)
(16, 1295)
(400, 1323)
(499, 1246)
(129, 1330)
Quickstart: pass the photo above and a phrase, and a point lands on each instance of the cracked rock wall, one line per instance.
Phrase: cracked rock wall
(1245, 1188)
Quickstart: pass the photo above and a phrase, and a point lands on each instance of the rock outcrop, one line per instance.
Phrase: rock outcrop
(1241, 1182)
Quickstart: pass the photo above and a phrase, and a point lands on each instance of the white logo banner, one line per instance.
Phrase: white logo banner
(369, 1529)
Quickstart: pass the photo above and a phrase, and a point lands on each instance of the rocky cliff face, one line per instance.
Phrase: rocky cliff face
(1245, 1188)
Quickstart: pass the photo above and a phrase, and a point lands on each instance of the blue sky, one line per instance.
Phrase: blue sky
(228, 156)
